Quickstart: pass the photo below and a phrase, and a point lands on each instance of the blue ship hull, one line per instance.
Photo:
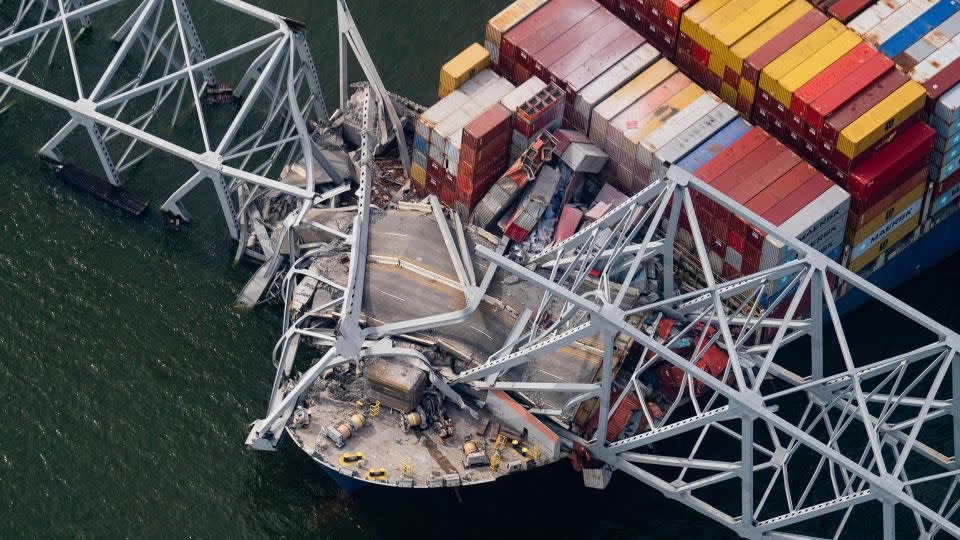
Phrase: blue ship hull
(939, 243)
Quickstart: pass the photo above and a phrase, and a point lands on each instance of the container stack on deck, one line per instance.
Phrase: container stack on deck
(838, 95)
(841, 156)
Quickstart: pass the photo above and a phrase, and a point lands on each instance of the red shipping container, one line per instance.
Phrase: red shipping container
(845, 164)
(846, 90)
(554, 13)
(856, 107)
(939, 84)
(568, 21)
(845, 10)
(796, 201)
(447, 196)
(492, 123)
(766, 174)
(771, 196)
(597, 22)
(946, 184)
(605, 59)
(559, 70)
(726, 159)
(829, 78)
(724, 183)
(780, 43)
(472, 157)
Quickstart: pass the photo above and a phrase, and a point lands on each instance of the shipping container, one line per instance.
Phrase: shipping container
(463, 67)
(627, 96)
(506, 20)
(608, 83)
(714, 145)
(555, 41)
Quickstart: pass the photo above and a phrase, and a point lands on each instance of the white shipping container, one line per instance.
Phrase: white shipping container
(440, 110)
(478, 82)
(824, 217)
(897, 21)
(453, 152)
(946, 110)
(436, 154)
(932, 65)
(493, 93)
(874, 15)
(521, 94)
(936, 38)
(691, 138)
(614, 78)
(691, 114)
(448, 127)
(493, 50)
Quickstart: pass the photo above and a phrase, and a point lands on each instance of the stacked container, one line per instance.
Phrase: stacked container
(542, 111)
(439, 131)
(760, 173)
(484, 150)
(656, 20)
(513, 101)
(462, 68)
(504, 21)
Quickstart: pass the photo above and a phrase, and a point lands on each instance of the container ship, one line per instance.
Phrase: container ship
(835, 123)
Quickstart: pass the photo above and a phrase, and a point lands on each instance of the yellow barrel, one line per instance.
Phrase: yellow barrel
(863, 132)
(808, 46)
(469, 447)
(462, 68)
(357, 421)
(809, 68)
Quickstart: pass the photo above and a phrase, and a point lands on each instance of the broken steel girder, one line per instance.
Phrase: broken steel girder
(819, 430)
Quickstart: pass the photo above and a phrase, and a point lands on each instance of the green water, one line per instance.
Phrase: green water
(127, 381)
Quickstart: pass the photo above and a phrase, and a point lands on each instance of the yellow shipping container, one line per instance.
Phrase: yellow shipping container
(462, 68)
(745, 22)
(693, 17)
(893, 230)
(881, 119)
(741, 50)
(418, 174)
(728, 93)
(748, 90)
(626, 96)
(650, 123)
(854, 237)
(717, 21)
(764, 33)
(509, 17)
(784, 88)
(807, 47)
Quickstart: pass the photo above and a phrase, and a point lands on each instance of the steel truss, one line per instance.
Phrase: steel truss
(159, 76)
(805, 439)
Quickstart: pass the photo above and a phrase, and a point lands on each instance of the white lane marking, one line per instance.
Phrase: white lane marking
(550, 374)
(481, 331)
(394, 296)
(395, 234)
